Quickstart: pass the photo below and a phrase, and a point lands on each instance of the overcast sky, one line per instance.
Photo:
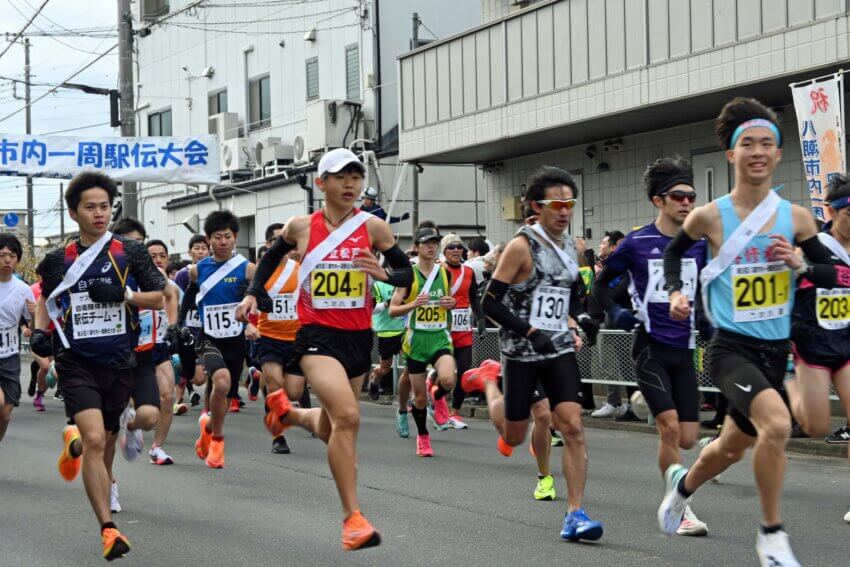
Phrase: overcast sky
(52, 62)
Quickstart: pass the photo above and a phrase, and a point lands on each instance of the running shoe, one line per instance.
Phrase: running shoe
(401, 425)
(280, 446)
(38, 402)
(437, 426)
(234, 405)
(253, 383)
(278, 405)
(557, 440)
(358, 533)
(240, 401)
(840, 435)
(57, 395)
(639, 406)
(473, 380)
(374, 390)
(607, 410)
(774, 550)
(797, 431)
(441, 407)
(194, 399)
(132, 442)
(32, 385)
(202, 445)
(114, 504)
(457, 422)
(625, 413)
(215, 457)
(423, 446)
(847, 517)
(180, 409)
(160, 457)
(505, 449)
(545, 488)
(578, 526)
(115, 545)
(672, 508)
(68, 465)
(691, 525)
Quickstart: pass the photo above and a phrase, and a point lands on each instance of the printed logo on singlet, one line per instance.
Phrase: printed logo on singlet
(105, 268)
(748, 389)
(655, 251)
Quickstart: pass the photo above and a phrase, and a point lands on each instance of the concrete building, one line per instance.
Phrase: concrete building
(601, 88)
(278, 82)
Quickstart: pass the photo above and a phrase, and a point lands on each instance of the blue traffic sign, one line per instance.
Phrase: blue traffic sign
(10, 219)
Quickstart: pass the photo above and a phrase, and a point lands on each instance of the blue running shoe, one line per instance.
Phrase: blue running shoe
(401, 425)
(578, 526)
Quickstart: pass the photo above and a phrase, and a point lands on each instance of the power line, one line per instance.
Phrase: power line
(74, 129)
(265, 20)
(23, 29)
(74, 47)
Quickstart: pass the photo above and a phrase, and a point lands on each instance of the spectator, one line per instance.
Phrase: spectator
(370, 204)
(171, 270)
(476, 251)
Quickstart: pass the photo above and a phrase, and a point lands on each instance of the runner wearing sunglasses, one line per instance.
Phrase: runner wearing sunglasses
(663, 348)
(533, 291)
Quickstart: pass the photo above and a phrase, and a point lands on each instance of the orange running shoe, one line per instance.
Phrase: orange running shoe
(234, 405)
(505, 449)
(278, 405)
(473, 380)
(358, 533)
(115, 545)
(215, 458)
(202, 445)
(68, 465)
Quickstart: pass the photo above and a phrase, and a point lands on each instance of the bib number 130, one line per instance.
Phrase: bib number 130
(550, 308)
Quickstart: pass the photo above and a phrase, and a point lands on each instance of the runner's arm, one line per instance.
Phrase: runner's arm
(694, 228)
(515, 256)
(188, 302)
(473, 297)
(384, 240)
(151, 282)
(397, 306)
(268, 264)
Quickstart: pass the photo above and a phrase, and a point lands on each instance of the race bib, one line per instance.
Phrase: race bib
(760, 291)
(9, 342)
(220, 321)
(91, 320)
(461, 320)
(284, 308)
(161, 325)
(833, 308)
(431, 317)
(655, 292)
(145, 326)
(549, 308)
(337, 285)
(193, 319)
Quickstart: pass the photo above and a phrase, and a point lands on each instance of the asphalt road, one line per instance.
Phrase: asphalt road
(467, 506)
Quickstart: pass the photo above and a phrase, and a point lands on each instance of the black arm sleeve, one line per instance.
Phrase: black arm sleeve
(142, 267)
(473, 298)
(402, 272)
(815, 251)
(268, 264)
(822, 272)
(602, 290)
(188, 303)
(576, 293)
(497, 311)
(673, 259)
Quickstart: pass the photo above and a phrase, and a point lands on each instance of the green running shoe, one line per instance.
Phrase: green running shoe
(401, 425)
(545, 488)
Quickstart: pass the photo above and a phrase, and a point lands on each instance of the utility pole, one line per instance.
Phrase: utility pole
(28, 119)
(62, 212)
(129, 199)
(414, 42)
(415, 214)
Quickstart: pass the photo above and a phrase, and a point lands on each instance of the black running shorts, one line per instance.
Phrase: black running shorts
(741, 367)
(421, 366)
(820, 348)
(279, 352)
(666, 377)
(213, 354)
(10, 379)
(388, 347)
(85, 385)
(559, 377)
(352, 349)
(145, 389)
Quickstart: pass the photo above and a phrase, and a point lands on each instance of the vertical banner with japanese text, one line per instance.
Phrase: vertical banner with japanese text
(820, 118)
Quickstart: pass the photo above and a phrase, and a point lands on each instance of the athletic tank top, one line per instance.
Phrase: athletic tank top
(282, 323)
(217, 309)
(462, 312)
(754, 296)
(335, 294)
(429, 318)
(829, 309)
(543, 300)
(382, 323)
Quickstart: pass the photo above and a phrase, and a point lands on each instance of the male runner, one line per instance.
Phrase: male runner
(466, 310)
(219, 282)
(663, 348)
(749, 285)
(189, 371)
(390, 333)
(427, 339)
(16, 300)
(84, 285)
(334, 342)
(39, 367)
(533, 291)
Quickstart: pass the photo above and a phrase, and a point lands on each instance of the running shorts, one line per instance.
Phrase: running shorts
(352, 349)
(214, 354)
(422, 348)
(145, 389)
(666, 377)
(559, 377)
(85, 385)
(278, 352)
(188, 361)
(388, 347)
(160, 354)
(820, 348)
(10, 379)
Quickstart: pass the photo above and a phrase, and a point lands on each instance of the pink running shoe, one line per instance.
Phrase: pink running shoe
(38, 402)
(423, 446)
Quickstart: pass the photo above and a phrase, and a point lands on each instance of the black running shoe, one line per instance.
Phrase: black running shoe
(628, 415)
(374, 390)
(279, 446)
(797, 432)
(194, 399)
(840, 435)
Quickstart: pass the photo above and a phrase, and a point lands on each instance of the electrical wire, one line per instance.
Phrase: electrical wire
(266, 20)
(23, 29)
(74, 129)
(71, 46)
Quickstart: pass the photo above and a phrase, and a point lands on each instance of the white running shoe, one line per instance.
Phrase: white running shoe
(672, 509)
(639, 406)
(607, 410)
(160, 457)
(691, 525)
(457, 422)
(775, 551)
(114, 505)
(847, 517)
(132, 442)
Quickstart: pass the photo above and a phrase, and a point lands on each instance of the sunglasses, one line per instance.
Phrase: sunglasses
(681, 196)
(557, 204)
(454, 247)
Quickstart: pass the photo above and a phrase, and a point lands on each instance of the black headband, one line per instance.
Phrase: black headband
(679, 179)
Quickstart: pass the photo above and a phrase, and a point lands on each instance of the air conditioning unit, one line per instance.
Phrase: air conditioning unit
(234, 154)
(300, 151)
(225, 125)
(262, 144)
(327, 123)
(277, 154)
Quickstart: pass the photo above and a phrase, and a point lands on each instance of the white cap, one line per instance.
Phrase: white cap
(370, 193)
(335, 160)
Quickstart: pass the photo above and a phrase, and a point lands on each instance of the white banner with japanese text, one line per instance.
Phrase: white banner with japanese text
(820, 119)
(193, 159)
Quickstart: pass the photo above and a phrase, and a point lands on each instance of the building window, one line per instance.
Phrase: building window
(217, 102)
(153, 9)
(312, 68)
(259, 91)
(159, 123)
(352, 72)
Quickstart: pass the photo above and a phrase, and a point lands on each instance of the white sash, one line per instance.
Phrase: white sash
(568, 262)
(72, 276)
(738, 240)
(457, 284)
(282, 278)
(429, 281)
(219, 275)
(834, 246)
